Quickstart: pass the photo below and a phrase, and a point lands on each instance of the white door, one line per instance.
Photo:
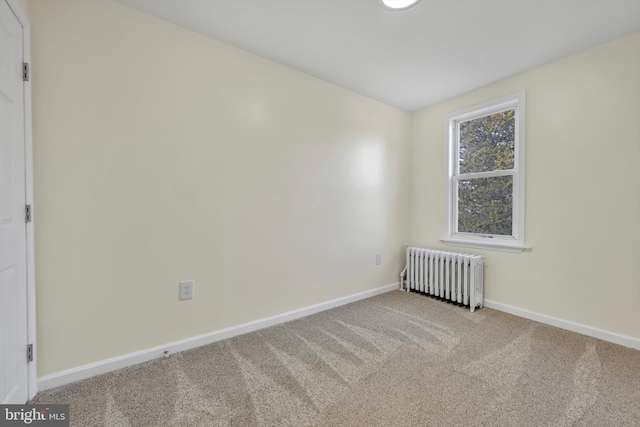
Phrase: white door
(13, 239)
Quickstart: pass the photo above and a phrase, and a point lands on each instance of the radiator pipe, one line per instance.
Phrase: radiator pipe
(406, 267)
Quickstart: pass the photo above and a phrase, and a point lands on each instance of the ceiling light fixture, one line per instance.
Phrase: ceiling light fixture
(399, 4)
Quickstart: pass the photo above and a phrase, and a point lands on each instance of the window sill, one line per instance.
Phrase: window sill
(494, 246)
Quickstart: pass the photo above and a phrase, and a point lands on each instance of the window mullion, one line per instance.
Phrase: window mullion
(489, 174)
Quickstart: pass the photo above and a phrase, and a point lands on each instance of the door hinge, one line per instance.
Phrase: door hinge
(27, 213)
(30, 353)
(25, 71)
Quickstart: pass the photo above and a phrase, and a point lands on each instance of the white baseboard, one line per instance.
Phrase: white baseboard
(590, 331)
(89, 370)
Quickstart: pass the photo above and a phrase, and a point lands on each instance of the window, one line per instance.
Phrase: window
(485, 175)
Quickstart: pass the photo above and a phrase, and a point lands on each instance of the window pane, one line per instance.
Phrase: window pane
(485, 205)
(487, 143)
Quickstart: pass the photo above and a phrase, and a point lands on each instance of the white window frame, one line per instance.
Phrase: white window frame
(516, 242)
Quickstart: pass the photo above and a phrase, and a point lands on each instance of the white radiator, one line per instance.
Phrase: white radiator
(449, 276)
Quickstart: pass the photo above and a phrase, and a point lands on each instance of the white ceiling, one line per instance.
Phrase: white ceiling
(409, 59)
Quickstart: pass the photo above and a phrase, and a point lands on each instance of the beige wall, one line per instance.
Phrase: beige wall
(161, 155)
(582, 188)
(24, 6)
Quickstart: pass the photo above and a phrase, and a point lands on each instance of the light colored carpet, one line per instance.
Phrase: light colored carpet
(397, 359)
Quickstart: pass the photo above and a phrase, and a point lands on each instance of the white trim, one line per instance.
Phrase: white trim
(494, 244)
(89, 370)
(515, 243)
(590, 331)
(31, 282)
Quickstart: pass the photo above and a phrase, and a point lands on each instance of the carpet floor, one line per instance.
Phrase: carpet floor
(397, 359)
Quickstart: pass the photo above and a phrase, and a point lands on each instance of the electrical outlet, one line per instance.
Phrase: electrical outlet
(378, 259)
(186, 289)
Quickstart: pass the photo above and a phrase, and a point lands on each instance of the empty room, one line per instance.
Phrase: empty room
(320, 213)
